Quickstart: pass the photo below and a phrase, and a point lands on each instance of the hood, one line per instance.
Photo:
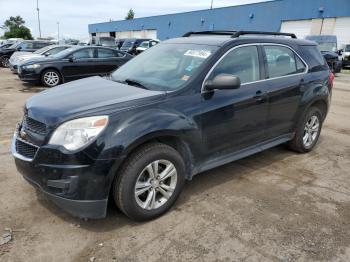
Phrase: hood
(20, 53)
(88, 96)
(329, 54)
(23, 58)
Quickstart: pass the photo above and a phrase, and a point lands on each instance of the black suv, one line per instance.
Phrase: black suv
(185, 106)
(26, 46)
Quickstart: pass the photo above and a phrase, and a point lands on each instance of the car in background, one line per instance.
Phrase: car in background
(106, 41)
(21, 57)
(27, 45)
(71, 64)
(5, 45)
(346, 56)
(119, 42)
(328, 45)
(131, 44)
(146, 44)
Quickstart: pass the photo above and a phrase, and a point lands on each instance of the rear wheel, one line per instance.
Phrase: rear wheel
(51, 78)
(5, 61)
(149, 182)
(308, 131)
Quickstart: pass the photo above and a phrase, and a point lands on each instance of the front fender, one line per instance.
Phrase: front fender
(129, 130)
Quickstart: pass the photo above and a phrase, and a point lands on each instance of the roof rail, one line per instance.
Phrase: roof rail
(218, 32)
(239, 33)
(235, 34)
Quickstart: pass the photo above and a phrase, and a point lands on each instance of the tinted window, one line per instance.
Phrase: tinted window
(282, 61)
(27, 45)
(106, 53)
(242, 62)
(55, 50)
(38, 45)
(315, 59)
(84, 53)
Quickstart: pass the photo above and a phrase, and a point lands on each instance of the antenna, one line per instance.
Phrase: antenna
(211, 5)
(37, 9)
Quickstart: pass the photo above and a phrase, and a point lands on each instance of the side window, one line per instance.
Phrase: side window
(84, 53)
(38, 45)
(282, 61)
(314, 57)
(54, 51)
(106, 53)
(242, 62)
(27, 45)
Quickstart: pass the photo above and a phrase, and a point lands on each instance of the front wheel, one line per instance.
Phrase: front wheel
(5, 61)
(51, 78)
(149, 182)
(308, 131)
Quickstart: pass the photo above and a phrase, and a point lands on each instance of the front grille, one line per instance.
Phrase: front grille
(25, 149)
(33, 125)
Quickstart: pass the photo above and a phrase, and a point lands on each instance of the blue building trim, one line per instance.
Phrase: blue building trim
(265, 16)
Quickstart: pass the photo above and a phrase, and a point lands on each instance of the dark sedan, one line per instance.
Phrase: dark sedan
(71, 64)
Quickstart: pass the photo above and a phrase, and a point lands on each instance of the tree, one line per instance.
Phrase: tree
(130, 15)
(15, 28)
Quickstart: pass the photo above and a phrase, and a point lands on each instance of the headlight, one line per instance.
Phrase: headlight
(77, 133)
(34, 66)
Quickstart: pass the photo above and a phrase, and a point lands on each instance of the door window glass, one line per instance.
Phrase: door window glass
(84, 53)
(26, 45)
(242, 62)
(106, 53)
(281, 61)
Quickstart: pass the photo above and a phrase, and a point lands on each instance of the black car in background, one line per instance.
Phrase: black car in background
(185, 106)
(7, 45)
(71, 64)
(131, 44)
(328, 45)
(119, 42)
(27, 46)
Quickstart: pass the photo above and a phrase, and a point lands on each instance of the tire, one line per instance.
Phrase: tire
(51, 78)
(5, 61)
(308, 131)
(137, 202)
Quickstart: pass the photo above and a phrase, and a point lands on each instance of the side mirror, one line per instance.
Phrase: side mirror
(19, 48)
(340, 52)
(47, 54)
(71, 59)
(223, 81)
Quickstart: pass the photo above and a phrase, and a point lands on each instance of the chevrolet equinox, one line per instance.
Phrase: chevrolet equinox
(187, 105)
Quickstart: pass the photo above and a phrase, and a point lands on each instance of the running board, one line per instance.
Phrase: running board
(219, 161)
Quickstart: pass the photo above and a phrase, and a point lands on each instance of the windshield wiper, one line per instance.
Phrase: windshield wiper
(133, 82)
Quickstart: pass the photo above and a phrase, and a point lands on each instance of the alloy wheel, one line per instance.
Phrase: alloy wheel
(155, 184)
(5, 62)
(51, 78)
(311, 130)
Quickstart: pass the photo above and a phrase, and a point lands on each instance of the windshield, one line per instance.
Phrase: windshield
(42, 50)
(165, 67)
(347, 48)
(128, 43)
(64, 53)
(327, 47)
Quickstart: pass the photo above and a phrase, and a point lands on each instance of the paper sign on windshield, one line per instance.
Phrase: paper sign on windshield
(198, 53)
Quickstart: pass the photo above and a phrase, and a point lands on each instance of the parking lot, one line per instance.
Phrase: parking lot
(273, 206)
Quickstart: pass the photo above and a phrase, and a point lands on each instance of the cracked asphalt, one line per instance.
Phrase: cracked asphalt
(274, 206)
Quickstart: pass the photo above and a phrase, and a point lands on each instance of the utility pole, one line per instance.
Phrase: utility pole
(37, 9)
(58, 32)
(211, 6)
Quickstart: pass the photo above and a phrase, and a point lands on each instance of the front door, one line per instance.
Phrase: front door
(235, 119)
(80, 65)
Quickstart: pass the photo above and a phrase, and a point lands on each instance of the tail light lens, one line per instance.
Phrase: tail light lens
(331, 79)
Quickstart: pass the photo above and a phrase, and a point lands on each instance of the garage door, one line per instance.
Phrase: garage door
(342, 31)
(301, 27)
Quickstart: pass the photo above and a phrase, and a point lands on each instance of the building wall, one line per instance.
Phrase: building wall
(260, 16)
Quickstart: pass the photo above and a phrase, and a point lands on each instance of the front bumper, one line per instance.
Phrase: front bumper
(13, 67)
(28, 76)
(81, 189)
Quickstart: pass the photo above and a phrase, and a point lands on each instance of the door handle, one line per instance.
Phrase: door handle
(260, 96)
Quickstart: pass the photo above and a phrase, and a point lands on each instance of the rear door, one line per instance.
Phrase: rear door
(108, 60)
(285, 74)
(80, 64)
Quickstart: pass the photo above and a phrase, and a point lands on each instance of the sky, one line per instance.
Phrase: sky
(75, 15)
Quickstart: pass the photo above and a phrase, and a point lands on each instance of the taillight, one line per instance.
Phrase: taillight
(331, 79)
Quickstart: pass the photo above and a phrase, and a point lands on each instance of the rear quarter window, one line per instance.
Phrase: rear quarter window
(314, 58)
